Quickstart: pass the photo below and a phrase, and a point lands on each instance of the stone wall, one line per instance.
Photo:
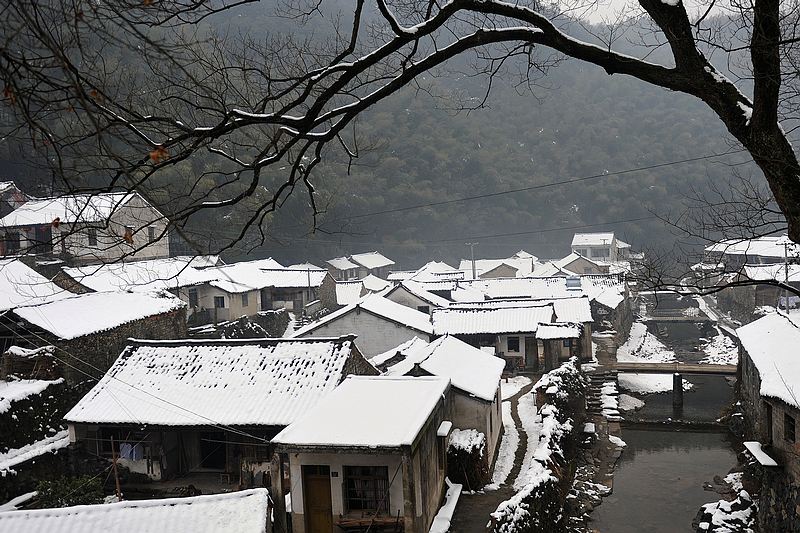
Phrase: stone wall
(274, 322)
(99, 351)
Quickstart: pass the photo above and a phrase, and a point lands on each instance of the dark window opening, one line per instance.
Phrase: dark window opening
(567, 343)
(245, 300)
(219, 302)
(151, 234)
(424, 309)
(193, 299)
(366, 488)
(12, 242)
(788, 427)
(92, 233)
(513, 344)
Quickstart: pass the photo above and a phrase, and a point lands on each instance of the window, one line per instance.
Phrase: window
(567, 343)
(788, 427)
(12, 242)
(424, 309)
(92, 233)
(366, 488)
(219, 302)
(193, 300)
(245, 299)
(512, 344)
(151, 234)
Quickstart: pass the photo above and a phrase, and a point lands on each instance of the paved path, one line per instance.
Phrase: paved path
(473, 510)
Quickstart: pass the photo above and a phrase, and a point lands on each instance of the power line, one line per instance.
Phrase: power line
(540, 186)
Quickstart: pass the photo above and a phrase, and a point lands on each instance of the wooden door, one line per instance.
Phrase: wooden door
(531, 354)
(317, 498)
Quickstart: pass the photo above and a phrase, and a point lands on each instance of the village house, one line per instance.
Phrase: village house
(519, 265)
(413, 295)
(21, 285)
(90, 330)
(245, 511)
(576, 265)
(600, 246)
(86, 229)
(430, 271)
(10, 199)
(473, 374)
(359, 266)
(754, 288)
(768, 374)
(380, 324)
(213, 424)
(372, 455)
(511, 331)
(733, 254)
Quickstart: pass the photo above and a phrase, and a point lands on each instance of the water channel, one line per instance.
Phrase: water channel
(658, 482)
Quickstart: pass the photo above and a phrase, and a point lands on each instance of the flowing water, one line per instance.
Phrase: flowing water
(658, 484)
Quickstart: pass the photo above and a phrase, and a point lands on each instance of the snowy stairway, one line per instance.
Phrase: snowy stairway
(602, 395)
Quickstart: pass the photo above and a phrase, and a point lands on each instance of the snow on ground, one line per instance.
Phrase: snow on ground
(509, 387)
(290, 326)
(508, 449)
(14, 391)
(720, 349)
(649, 383)
(629, 403)
(532, 425)
(643, 346)
(16, 456)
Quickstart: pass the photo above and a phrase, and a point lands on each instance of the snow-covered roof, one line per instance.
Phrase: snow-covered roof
(772, 343)
(14, 391)
(377, 305)
(304, 266)
(468, 368)
(490, 320)
(405, 349)
(17, 456)
(550, 268)
(144, 276)
(21, 285)
(371, 260)
(419, 291)
(762, 246)
(263, 382)
(341, 263)
(571, 258)
(592, 239)
(435, 271)
(374, 283)
(368, 412)
(5, 185)
(349, 292)
(85, 314)
(558, 331)
(249, 276)
(68, 209)
(233, 512)
(773, 272)
(572, 309)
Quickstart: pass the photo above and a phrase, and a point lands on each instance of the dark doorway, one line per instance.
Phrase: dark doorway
(531, 354)
(212, 450)
(317, 498)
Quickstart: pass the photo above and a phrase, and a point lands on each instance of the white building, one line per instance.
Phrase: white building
(380, 324)
(373, 454)
(600, 246)
(86, 229)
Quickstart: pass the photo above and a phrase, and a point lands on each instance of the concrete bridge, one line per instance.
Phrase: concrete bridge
(671, 368)
(677, 318)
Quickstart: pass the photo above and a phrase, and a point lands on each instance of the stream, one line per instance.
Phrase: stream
(658, 481)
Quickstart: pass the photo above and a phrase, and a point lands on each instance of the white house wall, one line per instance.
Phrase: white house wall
(403, 297)
(337, 462)
(471, 413)
(375, 335)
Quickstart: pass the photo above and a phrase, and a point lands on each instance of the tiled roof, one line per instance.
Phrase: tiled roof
(264, 382)
(490, 320)
(148, 275)
(68, 209)
(341, 263)
(371, 260)
(234, 512)
(558, 331)
(94, 312)
(21, 285)
(369, 412)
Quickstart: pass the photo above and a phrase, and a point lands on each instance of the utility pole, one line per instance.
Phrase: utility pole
(116, 475)
(472, 255)
(786, 243)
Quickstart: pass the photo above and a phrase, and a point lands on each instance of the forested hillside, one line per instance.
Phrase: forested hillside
(415, 149)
